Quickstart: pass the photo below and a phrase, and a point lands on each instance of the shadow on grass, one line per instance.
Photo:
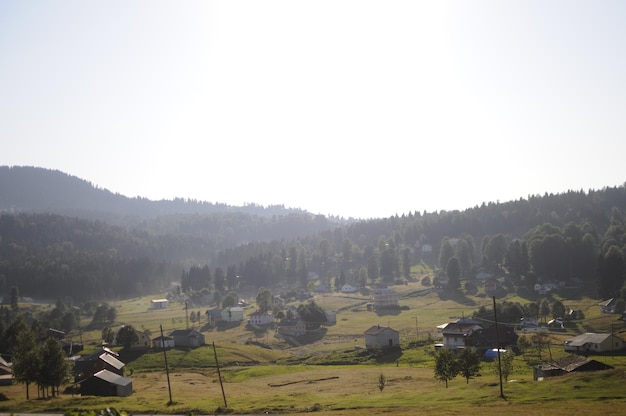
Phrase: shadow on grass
(312, 336)
(391, 311)
(457, 296)
(225, 326)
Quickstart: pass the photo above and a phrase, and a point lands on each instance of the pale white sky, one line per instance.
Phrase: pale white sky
(350, 108)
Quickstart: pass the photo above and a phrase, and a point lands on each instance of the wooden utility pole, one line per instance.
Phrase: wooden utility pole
(495, 318)
(187, 315)
(219, 375)
(167, 370)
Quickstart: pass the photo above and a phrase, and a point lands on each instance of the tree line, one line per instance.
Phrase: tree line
(576, 236)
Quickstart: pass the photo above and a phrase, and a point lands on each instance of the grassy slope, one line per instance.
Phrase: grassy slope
(259, 379)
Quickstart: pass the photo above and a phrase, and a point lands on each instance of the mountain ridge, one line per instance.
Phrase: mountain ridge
(35, 189)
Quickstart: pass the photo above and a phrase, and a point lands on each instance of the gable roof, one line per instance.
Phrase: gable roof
(183, 332)
(112, 378)
(607, 302)
(112, 361)
(377, 329)
(572, 363)
(588, 338)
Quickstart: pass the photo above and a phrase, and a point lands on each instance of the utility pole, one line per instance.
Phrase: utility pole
(167, 370)
(417, 333)
(187, 314)
(219, 375)
(495, 318)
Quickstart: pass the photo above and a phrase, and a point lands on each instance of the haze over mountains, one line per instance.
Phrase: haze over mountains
(32, 189)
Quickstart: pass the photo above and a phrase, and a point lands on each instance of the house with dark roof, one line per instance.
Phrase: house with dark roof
(484, 339)
(106, 383)
(103, 359)
(456, 332)
(6, 373)
(381, 337)
(569, 364)
(187, 338)
(292, 327)
(608, 306)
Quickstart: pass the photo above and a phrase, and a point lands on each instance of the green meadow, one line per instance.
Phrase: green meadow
(328, 372)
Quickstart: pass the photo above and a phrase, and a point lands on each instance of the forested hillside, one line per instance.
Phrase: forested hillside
(31, 189)
(576, 237)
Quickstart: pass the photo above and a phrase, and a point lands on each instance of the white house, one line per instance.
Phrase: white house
(158, 304)
(232, 314)
(260, 318)
(348, 288)
(164, 342)
(455, 333)
(381, 337)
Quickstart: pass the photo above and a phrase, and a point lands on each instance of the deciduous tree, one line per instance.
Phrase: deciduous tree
(468, 364)
(126, 336)
(446, 367)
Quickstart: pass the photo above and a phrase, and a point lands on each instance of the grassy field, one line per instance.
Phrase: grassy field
(329, 375)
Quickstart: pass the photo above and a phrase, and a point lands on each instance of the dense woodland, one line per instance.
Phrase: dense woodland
(61, 237)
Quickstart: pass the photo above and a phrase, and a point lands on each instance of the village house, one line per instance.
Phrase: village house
(102, 359)
(348, 288)
(331, 317)
(594, 343)
(232, 314)
(278, 301)
(484, 339)
(292, 327)
(142, 343)
(455, 333)
(569, 364)
(385, 298)
(607, 306)
(106, 383)
(528, 323)
(381, 337)
(214, 315)
(163, 342)
(189, 338)
(260, 318)
(6, 373)
(321, 288)
(158, 304)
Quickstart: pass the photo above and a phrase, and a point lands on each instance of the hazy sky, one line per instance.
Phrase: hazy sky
(350, 108)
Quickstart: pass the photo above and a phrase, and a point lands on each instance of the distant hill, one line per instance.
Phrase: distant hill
(39, 190)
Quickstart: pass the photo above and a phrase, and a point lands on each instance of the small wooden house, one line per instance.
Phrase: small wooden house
(569, 364)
